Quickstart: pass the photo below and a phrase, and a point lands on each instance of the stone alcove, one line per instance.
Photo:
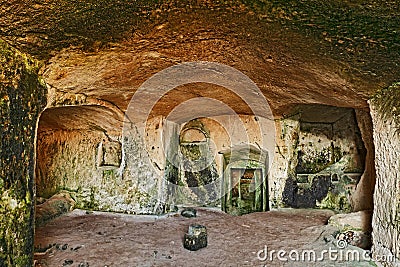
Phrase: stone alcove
(329, 156)
(192, 174)
(245, 186)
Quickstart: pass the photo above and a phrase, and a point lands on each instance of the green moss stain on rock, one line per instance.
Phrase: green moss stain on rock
(306, 195)
(109, 175)
(90, 24)
(22, 98)
(387, 102)
(338, 202)
(329, 161)
(386, 132)
(315, 162)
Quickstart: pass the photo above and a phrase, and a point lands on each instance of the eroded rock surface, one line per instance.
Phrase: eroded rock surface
(386, 219)
(22, 99)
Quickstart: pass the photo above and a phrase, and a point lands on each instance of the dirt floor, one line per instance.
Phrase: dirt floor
(108, 239)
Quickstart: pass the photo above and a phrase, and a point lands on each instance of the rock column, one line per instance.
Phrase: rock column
(22, 98)
(386, 217)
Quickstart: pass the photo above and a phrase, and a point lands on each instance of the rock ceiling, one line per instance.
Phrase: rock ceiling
(332, 52)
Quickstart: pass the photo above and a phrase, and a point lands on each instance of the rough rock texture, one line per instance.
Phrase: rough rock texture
(285, 158)
(319, 160)
(97, 54)
(282, 37)
(53, 207)
(66, 160)
(196, 238)
(386, 217)
(355, 228)
(84, 164)
(362, 198)
(22, 98)
(335, 53)
(360, 221)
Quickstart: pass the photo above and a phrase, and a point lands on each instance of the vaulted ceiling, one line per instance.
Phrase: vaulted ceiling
(334, 52)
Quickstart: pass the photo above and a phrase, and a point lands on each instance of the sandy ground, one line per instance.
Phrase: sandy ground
(110, 239)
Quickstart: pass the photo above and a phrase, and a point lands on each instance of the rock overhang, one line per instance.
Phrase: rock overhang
(336, 53)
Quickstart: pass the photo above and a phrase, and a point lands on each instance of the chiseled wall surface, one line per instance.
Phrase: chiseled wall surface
(90, 166)
(100, 171)
(386, 216)
(22, 98)
(82, 163)
(127, 174)
(320, 165)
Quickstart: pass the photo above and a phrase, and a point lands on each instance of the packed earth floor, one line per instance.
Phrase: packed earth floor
(83, 238)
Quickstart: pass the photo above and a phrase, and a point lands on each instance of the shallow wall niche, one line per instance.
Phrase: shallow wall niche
(109, 153)
(198, 162)
(321, 151)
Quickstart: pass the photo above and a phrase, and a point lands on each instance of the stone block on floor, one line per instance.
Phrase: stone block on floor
(196, 238)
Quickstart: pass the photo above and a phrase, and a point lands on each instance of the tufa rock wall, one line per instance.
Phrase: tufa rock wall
(319, 164)
(101, 172)
(127, 173)
(315, 165)
(386, 217)
(22, 98)
(362, 197)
